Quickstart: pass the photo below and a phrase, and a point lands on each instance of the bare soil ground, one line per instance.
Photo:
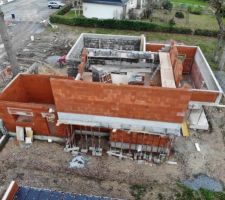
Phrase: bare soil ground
(45, 164)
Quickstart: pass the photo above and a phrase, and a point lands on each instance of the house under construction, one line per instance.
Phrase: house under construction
(138, 95)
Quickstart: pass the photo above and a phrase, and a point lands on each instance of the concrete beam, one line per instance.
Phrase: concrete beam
(147, 126)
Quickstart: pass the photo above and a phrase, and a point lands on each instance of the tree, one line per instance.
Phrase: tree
(218, 6)
(8, 45)
(167, 5)
(149, 7)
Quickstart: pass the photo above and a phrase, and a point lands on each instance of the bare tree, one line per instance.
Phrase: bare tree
(149, 7)
(218, 6)
(8, 44)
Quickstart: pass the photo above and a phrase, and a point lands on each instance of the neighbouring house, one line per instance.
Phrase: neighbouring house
(108, 9)
(141, 4)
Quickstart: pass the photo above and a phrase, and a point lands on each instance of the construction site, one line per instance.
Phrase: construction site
(138, 110)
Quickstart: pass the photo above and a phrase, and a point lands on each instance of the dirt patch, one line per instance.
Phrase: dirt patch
(45, 165)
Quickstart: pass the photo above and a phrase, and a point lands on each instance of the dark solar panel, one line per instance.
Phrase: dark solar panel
(33, 195)
(21, 193)
(26, 193)
(44, 195)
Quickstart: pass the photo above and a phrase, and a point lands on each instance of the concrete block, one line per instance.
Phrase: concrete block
(19, 133)
(28, 140)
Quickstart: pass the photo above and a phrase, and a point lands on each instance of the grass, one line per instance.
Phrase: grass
(195, 21)
(191, 2)
(138, 191)
(186, 193)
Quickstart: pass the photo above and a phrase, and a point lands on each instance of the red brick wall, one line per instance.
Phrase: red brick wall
(126, 101)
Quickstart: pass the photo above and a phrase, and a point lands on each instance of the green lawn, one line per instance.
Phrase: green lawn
(191, 2)
(185, 193)
(195, 21)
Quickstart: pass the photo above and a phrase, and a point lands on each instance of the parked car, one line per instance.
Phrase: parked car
(55, 4)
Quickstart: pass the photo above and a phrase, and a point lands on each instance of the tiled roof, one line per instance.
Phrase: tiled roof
(109, 2)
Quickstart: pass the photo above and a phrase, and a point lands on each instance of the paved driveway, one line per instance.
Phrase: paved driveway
(28, 15)
(27, 10)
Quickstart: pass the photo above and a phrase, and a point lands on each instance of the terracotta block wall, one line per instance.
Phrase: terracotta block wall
(204, 96)
(188, 51)
(14, 91)
(126, 101)
(178, 69)
(38, 123)
(38, 89)
(34, 93)
(196, 76)
(190, 54)
(140, 138)
(154, 47)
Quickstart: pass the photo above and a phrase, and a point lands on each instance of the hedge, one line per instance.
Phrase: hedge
(59, 18)
(115, 24)
(205, 32)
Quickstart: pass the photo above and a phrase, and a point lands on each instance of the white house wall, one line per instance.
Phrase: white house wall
(131, 4)
(102, 11)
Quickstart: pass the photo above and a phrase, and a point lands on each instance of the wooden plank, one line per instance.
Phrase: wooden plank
(166, 70)
(185, 130)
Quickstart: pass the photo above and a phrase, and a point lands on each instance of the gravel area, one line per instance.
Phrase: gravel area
(204, 181)
(221, 78)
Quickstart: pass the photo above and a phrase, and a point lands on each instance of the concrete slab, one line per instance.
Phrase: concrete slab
(166, 70)
(198, 120)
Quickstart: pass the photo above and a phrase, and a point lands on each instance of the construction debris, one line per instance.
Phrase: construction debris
(171, 162)
(197, 147)
(78, 162)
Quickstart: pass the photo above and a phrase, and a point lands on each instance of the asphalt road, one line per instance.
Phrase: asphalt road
(27, 10)
(28, 14)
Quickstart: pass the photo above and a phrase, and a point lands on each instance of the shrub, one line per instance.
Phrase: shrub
(179, 15)
(197, 10)
(64, 10)
(183, 6)
(172, 22)
(167, 5)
